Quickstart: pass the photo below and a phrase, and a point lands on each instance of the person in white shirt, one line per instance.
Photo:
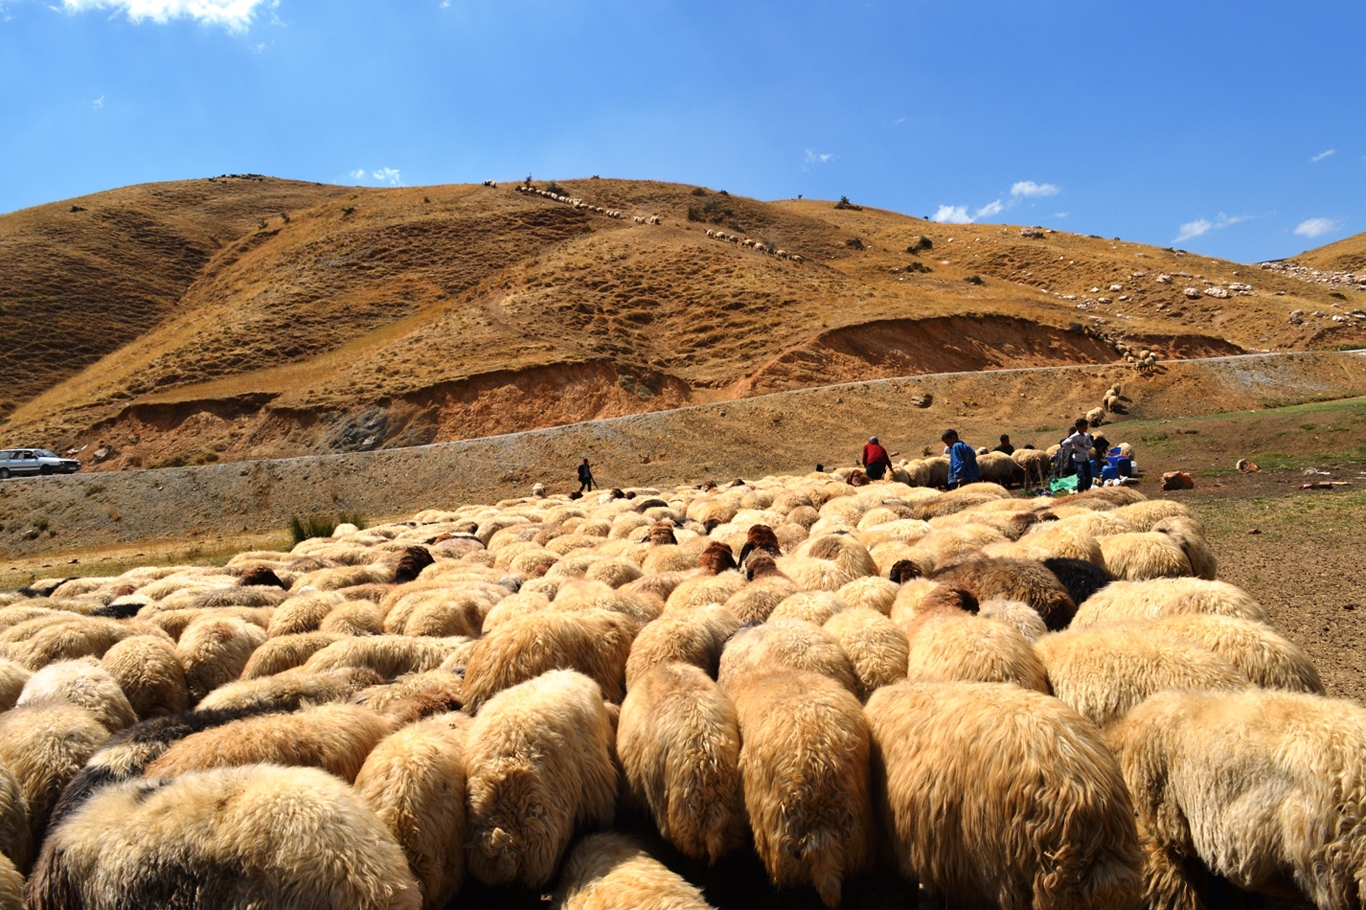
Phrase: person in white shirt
(1079, 446)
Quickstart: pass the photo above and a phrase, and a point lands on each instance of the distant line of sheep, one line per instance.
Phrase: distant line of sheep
(1030, 703)
(572, 201)
(758, 246)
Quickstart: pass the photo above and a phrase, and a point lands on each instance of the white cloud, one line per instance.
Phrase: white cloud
(991, 208)
(814, 157)
(952, 214)
(234, 15)
(1030, 188)
(358, 174)
(1061, 214)
(1322, 155)
(1203, 226)
(1316, 227)
(389, 175)
(97, 103)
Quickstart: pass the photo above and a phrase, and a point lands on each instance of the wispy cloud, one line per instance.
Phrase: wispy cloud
(97, 103)
(358, 174)
(1317, 227)
(389, 175)
(1201, 226)
(234, 15)
(1029, 188)
(991, 208)
(814, 157)
(1322, 155)
(1061, 214)
(952, 214)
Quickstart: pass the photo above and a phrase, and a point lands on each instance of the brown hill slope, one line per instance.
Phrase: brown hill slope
(401, 316)
(1346, 255)
(83, 277)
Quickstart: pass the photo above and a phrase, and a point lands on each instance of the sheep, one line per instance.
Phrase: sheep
(606, 871)
(12, 678)
(1034, 463)
(355, 617)
(387, 655)
(877, 649)
(16, 840)
(1065, 541)
(704, 589)
(1265, 788)
(336, 738)
(948, 643)
(804, 766)
(679, 744)
(1146, 513)
(1266, 658)
(415, 782)
(1014, 579)
(874, 592)
(1019, 616)
(67, 637)
(539, 760)
(260, 836)
(999, 795)
(214, 651)
(1143, 555)
(303, 612)
(813, 606)
(288, 691)
(1096, 416)
(11, 885)
(782, 645)
(286, 652)
(83, 683)
(1080, 577)
(827, 563)
(1167, 597)
(45, 746)
(150, 674)
(415, 696)
(595, 642)
(1104, 671)
(1189, 535)
(756, 601)
(998, 467)
(694, 637)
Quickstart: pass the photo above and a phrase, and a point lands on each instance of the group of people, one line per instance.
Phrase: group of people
(1075, 453)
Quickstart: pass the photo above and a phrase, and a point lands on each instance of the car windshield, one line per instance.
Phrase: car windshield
(45, 453)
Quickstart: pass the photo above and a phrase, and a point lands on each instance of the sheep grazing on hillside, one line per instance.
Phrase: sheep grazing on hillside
(595, 642)
(1267, 789)
(695, 637)
(336, 738)
(607, 871)
(1096, 416)
(414, 780)
(1014, 579)
(1167, 597)
(780, 646)
(1103, 671)
(804, 765)
(998, 795)
(261, 836)
(83, 683)
(679, 744)
(539, 760)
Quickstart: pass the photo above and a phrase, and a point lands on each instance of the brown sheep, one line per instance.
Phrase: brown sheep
(595, 642)
(336, 738)
(16, 840)
(415, 782)
(539, 760)
(260, 836)
(716, 558)
(950, 644)
(1014, 579)
(780, 646)
(412, 697)
(679, 744)
(999, 795)
(804, 765)
(607, 871)
(694, 637)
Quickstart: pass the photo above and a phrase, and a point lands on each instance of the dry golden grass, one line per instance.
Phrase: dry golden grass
(449, 312)
(1347, 255)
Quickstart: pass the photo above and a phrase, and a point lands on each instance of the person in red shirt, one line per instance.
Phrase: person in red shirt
(876, 463)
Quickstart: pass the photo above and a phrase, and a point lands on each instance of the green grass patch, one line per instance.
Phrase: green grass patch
(301, 529)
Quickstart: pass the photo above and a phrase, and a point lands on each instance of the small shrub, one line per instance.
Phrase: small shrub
(974, 279)
(94, 489)
(553, 187)
(921, 243)
(41, 524)
(854, 243)
(713, 211)
(723, 192)
(1338, 295)
(284, 216)
(301, 529)
(348, 209)
(844, 203)
(918, 267)
(261, 223)
(698, 191)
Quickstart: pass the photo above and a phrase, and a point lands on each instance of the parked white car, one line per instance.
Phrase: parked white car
(17, 462)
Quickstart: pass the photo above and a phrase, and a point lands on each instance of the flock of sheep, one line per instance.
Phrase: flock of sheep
(758, 246)
(572, 201)
(1019, 702)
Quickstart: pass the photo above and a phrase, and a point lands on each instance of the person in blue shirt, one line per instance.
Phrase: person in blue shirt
(962, 460)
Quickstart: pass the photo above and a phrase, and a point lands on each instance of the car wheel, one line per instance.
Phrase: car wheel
(45, 470)
(4, 473)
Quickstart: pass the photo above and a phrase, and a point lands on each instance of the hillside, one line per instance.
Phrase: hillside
(1346, 255)
(388, 317)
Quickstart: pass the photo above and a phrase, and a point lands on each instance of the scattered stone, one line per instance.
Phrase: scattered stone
(1216, 291)
(1192, 294)
(1296, 316)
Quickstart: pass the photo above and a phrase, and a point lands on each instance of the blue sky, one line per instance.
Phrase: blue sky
(1234, 129)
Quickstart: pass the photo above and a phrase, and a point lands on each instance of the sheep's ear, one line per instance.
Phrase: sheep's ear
(745, 551)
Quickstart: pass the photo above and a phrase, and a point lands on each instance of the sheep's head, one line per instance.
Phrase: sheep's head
(716, 558)
(946, 597)
(903, 570)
